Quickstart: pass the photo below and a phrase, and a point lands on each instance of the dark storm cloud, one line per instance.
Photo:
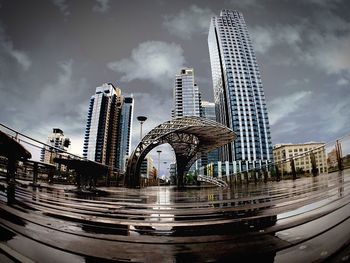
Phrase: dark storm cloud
(54, 53)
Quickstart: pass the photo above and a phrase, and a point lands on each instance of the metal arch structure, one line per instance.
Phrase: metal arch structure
(189, 136)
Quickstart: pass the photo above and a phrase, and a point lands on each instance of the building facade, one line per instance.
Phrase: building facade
(57, 140)
(106, 140)
(125, 132)
(300, 153)
(59, 145)
(148, 170)
(238, 92)
(208, 112)
(187, 99)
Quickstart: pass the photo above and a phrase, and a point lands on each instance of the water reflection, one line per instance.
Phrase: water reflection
(165, 224)
(341, 183)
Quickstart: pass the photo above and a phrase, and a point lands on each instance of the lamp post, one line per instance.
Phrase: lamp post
(159, 151)
(141, 119)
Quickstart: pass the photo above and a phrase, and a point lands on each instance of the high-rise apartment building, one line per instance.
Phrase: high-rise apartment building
(59, 144)
(106, 140)
(187, 99)
(238, 92)
(125, 131)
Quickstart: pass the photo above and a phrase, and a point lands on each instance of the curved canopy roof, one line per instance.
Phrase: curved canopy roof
(210, 134)
(188, 136)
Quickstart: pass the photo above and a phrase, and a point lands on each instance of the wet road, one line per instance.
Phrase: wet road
(302, 221)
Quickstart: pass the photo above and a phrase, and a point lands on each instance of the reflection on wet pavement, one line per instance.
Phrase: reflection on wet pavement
(273, 221)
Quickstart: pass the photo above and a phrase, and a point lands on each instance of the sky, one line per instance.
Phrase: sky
(53, 54)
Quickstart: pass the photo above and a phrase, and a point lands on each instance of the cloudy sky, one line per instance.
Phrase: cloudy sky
(53, 54)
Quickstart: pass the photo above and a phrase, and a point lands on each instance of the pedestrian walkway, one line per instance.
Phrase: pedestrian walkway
(274, 221)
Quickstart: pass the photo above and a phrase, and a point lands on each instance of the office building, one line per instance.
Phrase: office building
(238, 92)
(125, 132)
(187, 98)
(208, 112)
(147, 169)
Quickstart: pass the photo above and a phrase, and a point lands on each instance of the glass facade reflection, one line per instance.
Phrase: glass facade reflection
(104, 140)
(125, 131)
(187, 99)
(208, 111)
(238, 92)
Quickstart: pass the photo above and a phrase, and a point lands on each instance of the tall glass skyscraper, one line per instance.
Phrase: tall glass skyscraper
(187, 99)
(125, 131)
(107, 134)
(238, 92)
(208, 112)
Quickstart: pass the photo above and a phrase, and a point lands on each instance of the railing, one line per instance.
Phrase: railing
(293, 161)
(41, 167)
(212, 180)
(289, 163)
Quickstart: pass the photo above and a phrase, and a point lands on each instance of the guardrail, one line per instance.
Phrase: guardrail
(292, 161)
(42, 166)
(212, 180)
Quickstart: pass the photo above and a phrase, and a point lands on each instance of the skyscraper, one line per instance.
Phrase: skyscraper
(187, 98)
(238, 92)
(208, 111)
(125, 131)
(102, 134)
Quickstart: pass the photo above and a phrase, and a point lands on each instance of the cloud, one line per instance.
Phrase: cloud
(101, 6)
(266, 37)
(281, 107)
(157, 114)
(155, 61)
(7, 49)
(336, 118)
(188, 22)
(330, 53)
(342, 82)
(328, 39)
(62, 97)
(245, 4)
(321, 41)
(325, 3)
(61, 104)
(62, 5)
(21, 58)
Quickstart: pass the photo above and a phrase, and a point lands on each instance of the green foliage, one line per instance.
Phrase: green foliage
(300, 170)
(190, 178)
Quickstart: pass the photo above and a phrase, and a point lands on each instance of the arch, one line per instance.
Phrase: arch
(189, 136)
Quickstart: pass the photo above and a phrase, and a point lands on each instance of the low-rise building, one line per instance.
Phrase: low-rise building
(300, 152)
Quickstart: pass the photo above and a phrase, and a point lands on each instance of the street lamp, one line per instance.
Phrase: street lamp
(141, 119)
(159, 151)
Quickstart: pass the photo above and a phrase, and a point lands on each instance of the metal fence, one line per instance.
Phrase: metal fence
(289, 163)
(299, 160)
(41, 167)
